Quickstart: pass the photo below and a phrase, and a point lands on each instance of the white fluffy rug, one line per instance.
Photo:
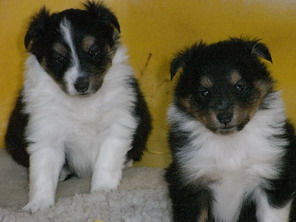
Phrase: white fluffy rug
(141, 197)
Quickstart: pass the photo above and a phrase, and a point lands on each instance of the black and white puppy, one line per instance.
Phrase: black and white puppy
(234, 151)
(80, 110)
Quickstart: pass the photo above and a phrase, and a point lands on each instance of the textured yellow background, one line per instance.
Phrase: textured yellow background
(154, 30)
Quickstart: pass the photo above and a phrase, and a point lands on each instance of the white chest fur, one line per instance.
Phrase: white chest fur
(235, 166)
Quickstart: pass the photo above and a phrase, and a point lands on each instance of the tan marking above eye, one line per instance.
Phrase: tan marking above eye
(235, 77)
(60, 49)
(88, 42)
(206, 82)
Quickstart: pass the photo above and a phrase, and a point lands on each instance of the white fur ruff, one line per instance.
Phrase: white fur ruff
(235, 163)
(94, 132)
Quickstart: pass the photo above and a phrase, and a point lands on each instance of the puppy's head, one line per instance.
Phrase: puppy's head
(75, 47)
(222, 85)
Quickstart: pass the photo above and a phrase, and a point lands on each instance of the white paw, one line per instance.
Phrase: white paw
(34, 206)
(106, 181)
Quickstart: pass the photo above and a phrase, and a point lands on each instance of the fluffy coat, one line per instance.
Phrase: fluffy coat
(81, 110)
(233, 148)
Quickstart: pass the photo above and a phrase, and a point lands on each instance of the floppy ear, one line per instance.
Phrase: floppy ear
(103, 14)
(36, 28)
(261, 50)
(255, 47)
(183, 57)
(177, 63)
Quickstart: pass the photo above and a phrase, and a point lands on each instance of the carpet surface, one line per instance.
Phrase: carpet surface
(141, 197)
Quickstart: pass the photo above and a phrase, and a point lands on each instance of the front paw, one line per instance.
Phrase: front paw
(34, 206)
(106, 181)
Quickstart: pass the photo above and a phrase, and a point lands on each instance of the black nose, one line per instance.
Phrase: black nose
(224, 118)
(81, 84)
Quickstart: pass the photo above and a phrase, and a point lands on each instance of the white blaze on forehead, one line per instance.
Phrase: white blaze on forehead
(73, 72)
(66, 31)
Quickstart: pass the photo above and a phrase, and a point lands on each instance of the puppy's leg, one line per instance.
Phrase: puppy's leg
(45, 166)
(248, 211)
(109, 164)
(268, 213)
(190, 203)
(110, 161)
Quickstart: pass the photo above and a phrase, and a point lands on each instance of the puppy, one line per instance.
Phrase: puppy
(80, 110)
(233, 149)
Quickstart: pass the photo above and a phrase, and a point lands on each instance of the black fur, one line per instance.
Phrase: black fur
(144, 127)
(98, 21)
(15, 136)
(196, 102)
(81, 111)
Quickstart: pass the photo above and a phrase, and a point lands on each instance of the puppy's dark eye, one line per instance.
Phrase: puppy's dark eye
(60, 59)
(92, 53)
(239, 87)
(204, 92)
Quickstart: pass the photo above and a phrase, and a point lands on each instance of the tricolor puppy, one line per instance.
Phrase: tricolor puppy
(80, 110)
(234, 151)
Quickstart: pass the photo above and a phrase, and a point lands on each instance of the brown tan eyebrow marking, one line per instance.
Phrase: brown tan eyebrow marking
(60, 48)
(206, 82)
(88, 42)
(235, 77)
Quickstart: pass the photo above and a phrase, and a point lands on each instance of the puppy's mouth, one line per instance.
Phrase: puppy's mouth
(225, 130)
(77, 94)
(230, 128)
(86, 94)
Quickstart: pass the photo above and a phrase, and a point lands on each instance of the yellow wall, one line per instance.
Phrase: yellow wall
(154, 30)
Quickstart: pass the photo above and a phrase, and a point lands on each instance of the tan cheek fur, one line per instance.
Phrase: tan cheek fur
(208, 119)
